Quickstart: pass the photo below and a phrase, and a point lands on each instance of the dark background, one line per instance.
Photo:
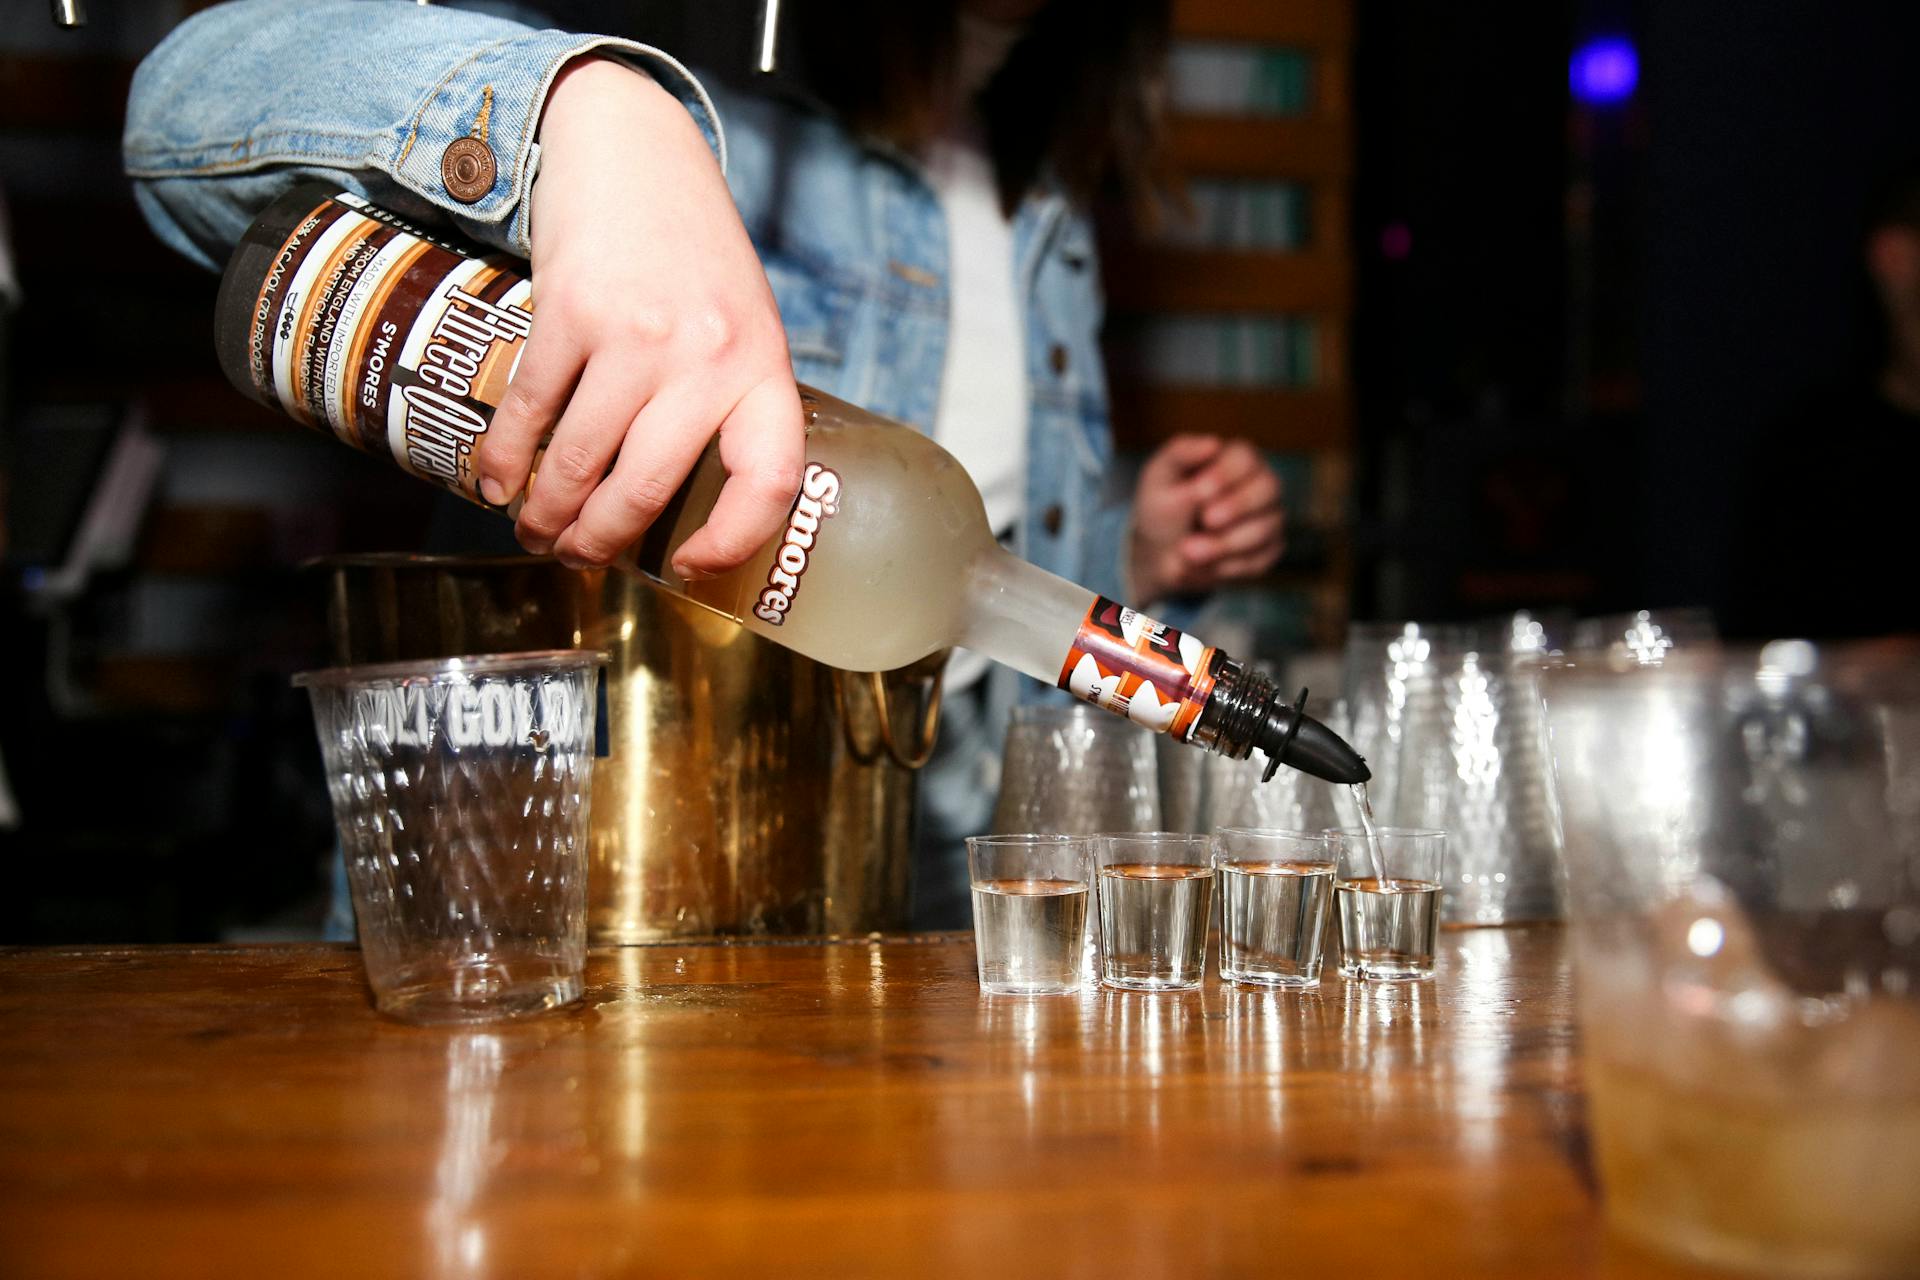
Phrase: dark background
(1597, 311)
(1604, 306)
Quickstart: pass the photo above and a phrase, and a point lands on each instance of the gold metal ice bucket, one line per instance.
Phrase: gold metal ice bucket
(747, 790)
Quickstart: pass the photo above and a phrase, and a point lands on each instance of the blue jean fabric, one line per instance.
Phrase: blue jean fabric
(246, 99)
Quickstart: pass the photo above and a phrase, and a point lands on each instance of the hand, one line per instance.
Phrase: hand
(1207, 511)
(654, 327)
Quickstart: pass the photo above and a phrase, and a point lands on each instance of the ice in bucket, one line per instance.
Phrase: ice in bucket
(460, 790)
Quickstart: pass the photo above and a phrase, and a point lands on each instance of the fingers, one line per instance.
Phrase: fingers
(1244, 538)
(762, 442)
(583, 446)
(1188, 452)
(660, 448)
(763, 445)
(1251, 565)
(1208, 510)
(1183, 454)
(1257, 492)
(1236, 462)
(1189, 576)
(534, 400)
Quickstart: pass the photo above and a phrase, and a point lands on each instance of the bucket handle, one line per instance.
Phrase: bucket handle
(866, 753)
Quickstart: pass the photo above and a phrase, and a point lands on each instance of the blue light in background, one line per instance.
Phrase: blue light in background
(1604, 70)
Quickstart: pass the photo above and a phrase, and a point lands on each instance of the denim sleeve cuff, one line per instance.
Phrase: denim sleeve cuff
(496, 94)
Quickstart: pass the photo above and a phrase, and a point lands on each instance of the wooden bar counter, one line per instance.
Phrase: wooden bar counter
(830, 1108)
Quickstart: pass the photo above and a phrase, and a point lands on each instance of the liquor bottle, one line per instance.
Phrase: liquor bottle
(400, 342)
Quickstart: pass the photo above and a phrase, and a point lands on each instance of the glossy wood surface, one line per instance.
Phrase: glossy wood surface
(844, 1109)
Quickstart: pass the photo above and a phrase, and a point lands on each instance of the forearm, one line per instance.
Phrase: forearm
(246, 99)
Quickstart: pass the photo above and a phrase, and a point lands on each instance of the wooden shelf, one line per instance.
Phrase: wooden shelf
(1285, 420)
(1143, 279)
(1303, 147)
(1318, 24)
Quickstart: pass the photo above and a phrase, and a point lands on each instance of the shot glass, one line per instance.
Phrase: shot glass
(1276, 889)
(1386, 896)
(1029, 912)
(460, 789)
(1154, 895)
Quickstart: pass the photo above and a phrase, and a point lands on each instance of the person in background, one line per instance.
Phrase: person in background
(908, 230)
(1830, 491)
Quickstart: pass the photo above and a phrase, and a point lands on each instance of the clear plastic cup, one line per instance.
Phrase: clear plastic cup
(1077, 770)
(460, 788)
(1743, 850)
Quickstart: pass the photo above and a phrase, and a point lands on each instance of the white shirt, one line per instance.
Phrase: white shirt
(981, 418)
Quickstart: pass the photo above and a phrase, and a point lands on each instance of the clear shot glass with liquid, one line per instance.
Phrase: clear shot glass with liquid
(1386, 896)
(1153, 892)
(1276, 892)
(1029, 912)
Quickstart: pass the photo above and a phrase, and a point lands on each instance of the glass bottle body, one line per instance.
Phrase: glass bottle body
(886, 557)
(401, 343)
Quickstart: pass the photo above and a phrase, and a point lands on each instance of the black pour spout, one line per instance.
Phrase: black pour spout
(1248, 711)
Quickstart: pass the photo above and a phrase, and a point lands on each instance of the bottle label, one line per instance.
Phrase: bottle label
(391, 338)
(818, 500)
(1125, 662)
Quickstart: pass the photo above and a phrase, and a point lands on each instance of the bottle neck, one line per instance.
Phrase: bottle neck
(1247, 710)
(1238, 710)
(1097, 649)
(1124, 662)
(1018, 614)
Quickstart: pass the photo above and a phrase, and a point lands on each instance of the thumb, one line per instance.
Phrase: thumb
(1184, 454)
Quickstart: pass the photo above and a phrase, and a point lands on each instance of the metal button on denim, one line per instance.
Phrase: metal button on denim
(467, 167)
(1052, 518)
(1058, 357)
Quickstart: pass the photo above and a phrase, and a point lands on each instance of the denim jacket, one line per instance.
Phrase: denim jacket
(245, 99)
